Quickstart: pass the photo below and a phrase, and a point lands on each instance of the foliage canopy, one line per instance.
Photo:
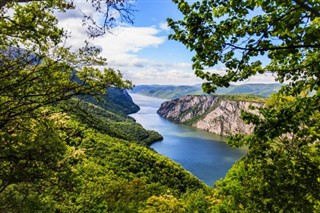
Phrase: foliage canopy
(235, 33)
(57, 160)
(281, 171)
(112, 12)
(59, 154)
(38, 72)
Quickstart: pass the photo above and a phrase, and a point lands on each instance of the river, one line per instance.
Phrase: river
(205, 155)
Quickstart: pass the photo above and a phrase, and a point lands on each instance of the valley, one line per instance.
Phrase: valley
(205, 155)
(237, 128)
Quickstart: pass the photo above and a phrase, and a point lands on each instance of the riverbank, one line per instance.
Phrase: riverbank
(204, 154)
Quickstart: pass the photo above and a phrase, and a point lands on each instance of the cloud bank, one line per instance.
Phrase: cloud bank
(123, 47)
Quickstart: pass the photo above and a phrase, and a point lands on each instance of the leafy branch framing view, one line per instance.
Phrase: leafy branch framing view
(53, 159)
(281, 170)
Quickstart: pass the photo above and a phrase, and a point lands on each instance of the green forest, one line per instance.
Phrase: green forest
(67, 143)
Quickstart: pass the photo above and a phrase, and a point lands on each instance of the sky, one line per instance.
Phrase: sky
(142, 51)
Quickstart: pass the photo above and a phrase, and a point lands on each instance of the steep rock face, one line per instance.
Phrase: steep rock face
(209, 113)
(186, 108)
(225, 119)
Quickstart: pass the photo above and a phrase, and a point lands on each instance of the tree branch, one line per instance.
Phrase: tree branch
(272, 48)
(4, 2)
(123, 7)
(315, 12)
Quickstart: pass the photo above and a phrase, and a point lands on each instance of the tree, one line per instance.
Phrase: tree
(235, 33)
(111, 10)
(37, 73)
(164, 203)
(281, 169)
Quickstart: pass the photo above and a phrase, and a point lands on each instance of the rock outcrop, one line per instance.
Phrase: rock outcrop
(210, 113)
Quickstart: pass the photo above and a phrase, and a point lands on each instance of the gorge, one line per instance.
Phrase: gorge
(204, 154)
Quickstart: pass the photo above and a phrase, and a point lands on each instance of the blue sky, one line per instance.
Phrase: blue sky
(142, 51)
(155, 13)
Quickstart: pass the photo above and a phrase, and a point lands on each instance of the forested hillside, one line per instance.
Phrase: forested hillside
(61, 153)
(113, 122)
(114, 100)
(103, 164)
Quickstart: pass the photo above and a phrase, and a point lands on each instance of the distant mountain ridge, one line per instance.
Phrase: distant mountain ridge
(173, 91)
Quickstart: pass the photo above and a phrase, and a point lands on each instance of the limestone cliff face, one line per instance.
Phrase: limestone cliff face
(186, 108)
(209, 113)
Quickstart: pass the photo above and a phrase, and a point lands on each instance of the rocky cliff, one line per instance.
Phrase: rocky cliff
(213, 114)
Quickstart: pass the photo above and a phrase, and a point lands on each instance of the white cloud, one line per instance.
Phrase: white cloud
(183, 64)
(129, 40)
(120, 40)
(152, 75)
(123, 45)
(266, 78)
(164, 26)
(81, 8)
(120, 45)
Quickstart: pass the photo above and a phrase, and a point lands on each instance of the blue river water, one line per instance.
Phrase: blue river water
(205, 155)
